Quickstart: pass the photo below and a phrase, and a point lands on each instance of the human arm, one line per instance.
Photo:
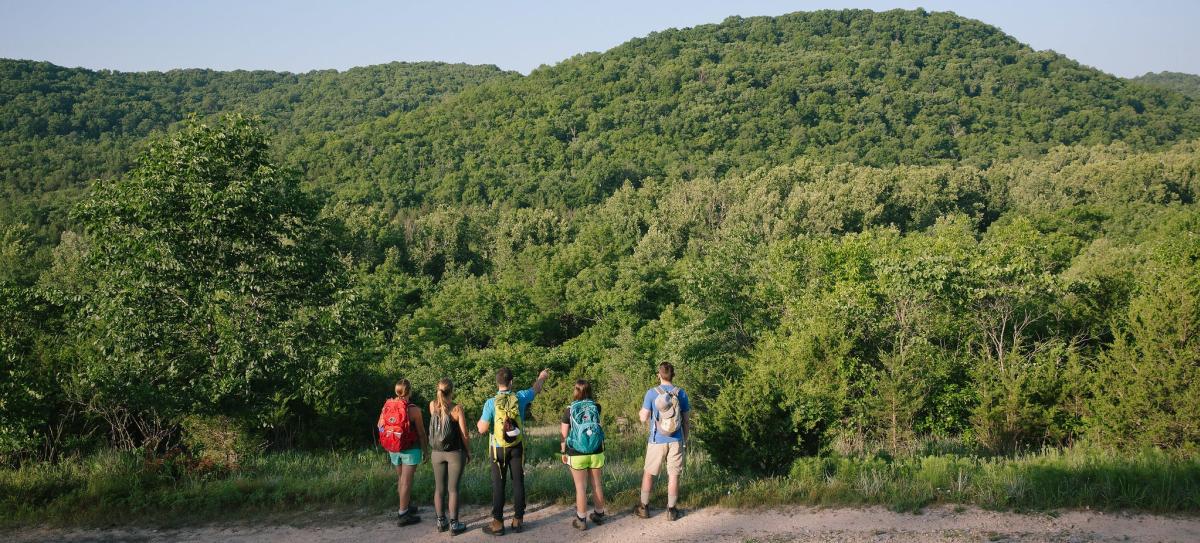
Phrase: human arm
(563, 445)
(485, 418)
(541, 380)
(647, 402)
(414, 414)
(685, 405)
(461, 415)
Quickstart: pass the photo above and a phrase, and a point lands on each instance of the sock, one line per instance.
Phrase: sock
(671, 501)
(645, 497)
(402, 511)
(598, 511)
(580, 517)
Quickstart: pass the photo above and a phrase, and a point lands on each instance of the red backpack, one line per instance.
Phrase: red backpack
(395, 430)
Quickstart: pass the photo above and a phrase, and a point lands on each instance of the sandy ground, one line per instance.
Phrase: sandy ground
(552, 523)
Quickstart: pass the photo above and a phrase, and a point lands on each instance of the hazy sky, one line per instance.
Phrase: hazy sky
(1123, 38)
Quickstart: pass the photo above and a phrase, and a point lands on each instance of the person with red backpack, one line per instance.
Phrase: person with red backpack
(402, 435)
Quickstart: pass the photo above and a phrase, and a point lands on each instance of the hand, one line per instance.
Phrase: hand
(564, 459)
(544, 375)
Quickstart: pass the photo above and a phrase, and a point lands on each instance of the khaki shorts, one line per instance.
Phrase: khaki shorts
(671, 452)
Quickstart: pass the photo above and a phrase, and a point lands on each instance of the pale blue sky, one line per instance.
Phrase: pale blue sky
(1124, 38)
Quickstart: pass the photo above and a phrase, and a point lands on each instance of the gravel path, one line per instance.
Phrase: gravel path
(552, 524)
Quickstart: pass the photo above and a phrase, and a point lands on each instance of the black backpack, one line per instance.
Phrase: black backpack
(442, 435)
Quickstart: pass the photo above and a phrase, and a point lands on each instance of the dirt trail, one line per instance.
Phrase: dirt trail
(552, 524)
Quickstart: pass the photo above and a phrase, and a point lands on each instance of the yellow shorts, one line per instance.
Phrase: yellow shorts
(586, 461)
(671, 452)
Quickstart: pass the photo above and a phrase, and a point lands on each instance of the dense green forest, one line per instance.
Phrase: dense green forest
(852, 232)
(60, 127)
(1188, 84)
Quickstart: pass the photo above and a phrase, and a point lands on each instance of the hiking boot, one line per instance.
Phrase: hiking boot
(457, 527)
(597, 518)
(442, 524)
(406, 518)
(579, 523)
(673, 514)
(515, 525)
(495, 528)
(642, 510)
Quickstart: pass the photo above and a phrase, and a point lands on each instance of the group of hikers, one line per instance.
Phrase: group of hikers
(402, 432)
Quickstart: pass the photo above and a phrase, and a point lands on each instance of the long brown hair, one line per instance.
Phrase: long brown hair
(583, 390)
(445, 393)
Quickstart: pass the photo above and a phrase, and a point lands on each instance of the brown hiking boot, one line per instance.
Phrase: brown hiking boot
(515, 525)
(495, 528)
(642, 510)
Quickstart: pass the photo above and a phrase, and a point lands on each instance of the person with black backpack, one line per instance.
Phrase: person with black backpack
(402, 435)
(450, 442)
(503, 418)
(666, 408)
(583, 451)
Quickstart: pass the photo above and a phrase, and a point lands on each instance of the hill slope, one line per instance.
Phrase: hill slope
(61, 127)
(901, 87)
(1182, 83)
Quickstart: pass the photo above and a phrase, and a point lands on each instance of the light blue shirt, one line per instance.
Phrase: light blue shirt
(524, 398)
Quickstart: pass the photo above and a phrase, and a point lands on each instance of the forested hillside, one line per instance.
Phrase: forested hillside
(878, 89)
(852, 232)
(62, 127)
(1188, 84)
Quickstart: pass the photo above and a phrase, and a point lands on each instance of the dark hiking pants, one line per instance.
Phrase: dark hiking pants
(508, 461)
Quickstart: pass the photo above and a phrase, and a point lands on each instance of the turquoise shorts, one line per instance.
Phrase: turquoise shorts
(410, 457)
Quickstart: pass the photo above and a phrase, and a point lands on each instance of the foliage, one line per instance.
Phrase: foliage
(214, 288)
(832, 223)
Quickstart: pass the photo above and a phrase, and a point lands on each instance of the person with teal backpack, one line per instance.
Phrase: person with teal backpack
(583, 451)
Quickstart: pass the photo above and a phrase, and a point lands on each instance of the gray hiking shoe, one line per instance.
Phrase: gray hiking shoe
(406, 518)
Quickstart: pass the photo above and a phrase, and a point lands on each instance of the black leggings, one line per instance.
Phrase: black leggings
(507, 461)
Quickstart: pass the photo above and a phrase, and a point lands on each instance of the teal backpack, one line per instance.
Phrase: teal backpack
(585, 436)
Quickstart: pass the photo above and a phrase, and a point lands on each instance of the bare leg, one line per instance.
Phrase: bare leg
(672, 489)
(406, 479)
(597, 489)
(580, 478)
(647, 485)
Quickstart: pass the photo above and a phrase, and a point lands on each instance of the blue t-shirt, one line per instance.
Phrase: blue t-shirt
(524, 398)
(648, 403)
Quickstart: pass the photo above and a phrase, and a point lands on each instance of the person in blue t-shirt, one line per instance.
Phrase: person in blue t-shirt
(508, 458)
(667, 410)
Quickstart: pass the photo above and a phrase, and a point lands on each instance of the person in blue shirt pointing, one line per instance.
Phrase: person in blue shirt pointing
(666, 408)
(503, 418)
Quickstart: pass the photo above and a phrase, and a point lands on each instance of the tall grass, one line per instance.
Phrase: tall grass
(115, 487)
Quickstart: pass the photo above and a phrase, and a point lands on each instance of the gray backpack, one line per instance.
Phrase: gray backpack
(668, 419)
(441, 432)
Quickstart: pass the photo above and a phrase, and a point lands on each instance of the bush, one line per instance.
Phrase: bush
(219, 441)
(1148, 383)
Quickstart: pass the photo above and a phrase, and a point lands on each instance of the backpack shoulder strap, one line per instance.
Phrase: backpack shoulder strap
(659, 389)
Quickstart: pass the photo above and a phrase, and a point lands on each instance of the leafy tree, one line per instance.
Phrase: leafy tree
(215, 288)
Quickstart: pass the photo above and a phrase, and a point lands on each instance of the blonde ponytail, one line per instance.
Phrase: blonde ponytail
(445, 391)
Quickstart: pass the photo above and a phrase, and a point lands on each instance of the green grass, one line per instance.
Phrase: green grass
(124, 488)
